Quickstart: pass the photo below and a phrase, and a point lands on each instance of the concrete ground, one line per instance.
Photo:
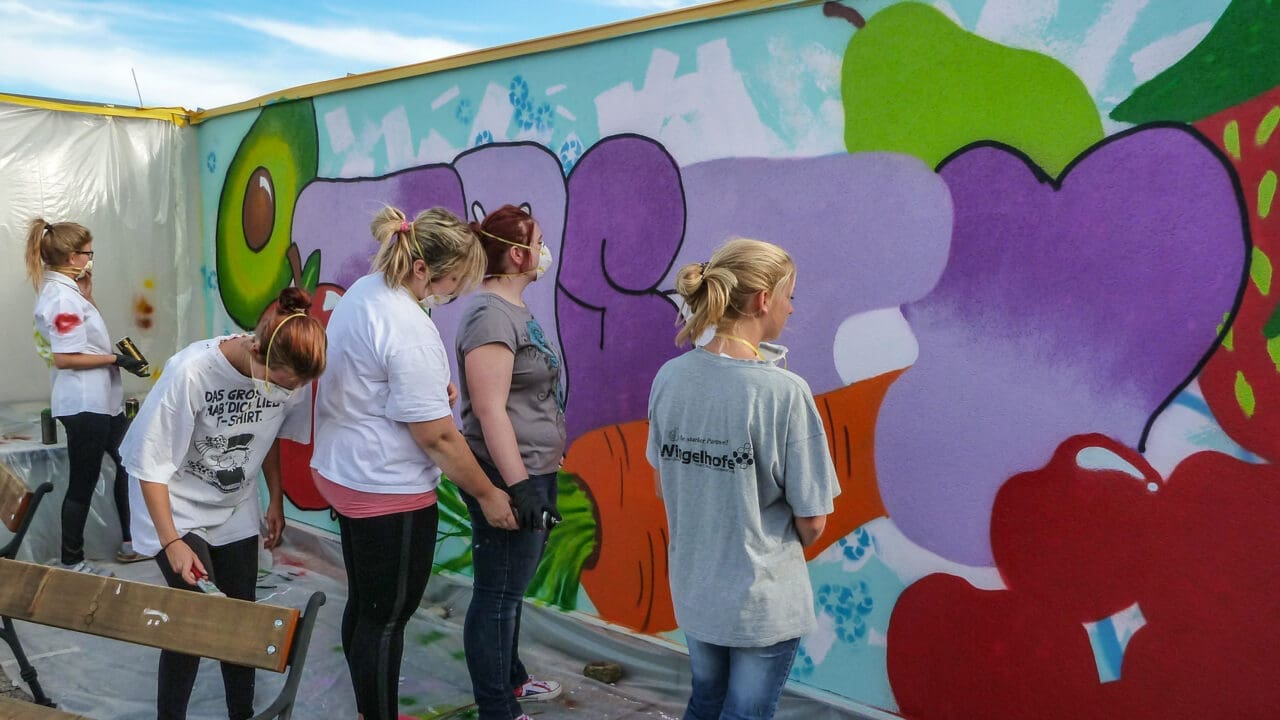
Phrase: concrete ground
(103, 678)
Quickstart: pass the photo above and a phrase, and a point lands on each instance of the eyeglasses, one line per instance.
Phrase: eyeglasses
(84, 252)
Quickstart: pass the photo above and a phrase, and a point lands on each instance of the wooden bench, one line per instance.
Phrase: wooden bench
(18, 505)
(258, 635)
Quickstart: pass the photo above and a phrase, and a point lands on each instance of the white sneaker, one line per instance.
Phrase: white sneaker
(126, 553)
(85, 567)
(535, 690)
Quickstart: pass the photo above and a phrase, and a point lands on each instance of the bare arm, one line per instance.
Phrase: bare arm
(442, 442)
(489, 369)
(275, 491)
(82, 361)
(181, 558)
(810, 528)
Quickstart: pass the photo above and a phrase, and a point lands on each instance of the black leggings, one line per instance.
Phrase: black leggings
(89, 437)
(234, 569)
(388, 560)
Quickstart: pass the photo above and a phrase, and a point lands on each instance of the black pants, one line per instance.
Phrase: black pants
(234, 569)
(89, 437)
(388, 560)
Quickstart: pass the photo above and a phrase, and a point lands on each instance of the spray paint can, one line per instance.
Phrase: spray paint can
(48, 427)
(548, 520)
(126, 347)
(130, 408)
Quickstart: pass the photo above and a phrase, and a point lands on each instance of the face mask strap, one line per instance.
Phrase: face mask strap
(266, 367)
(529, 247)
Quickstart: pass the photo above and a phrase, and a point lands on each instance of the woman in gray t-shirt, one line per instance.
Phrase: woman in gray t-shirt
(746, 478)
(513, 419)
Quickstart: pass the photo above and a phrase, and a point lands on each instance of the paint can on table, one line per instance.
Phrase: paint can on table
(48, 427)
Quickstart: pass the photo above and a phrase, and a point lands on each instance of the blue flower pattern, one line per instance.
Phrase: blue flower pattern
(539, 340)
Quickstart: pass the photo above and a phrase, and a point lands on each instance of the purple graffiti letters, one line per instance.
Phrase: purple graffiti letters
(624, 223)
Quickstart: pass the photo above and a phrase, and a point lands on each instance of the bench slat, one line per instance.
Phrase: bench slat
(235, 631)
(11, 709)
(14, 498)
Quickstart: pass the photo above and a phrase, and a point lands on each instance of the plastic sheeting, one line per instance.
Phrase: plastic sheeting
(22, 451)
(433, 678)
(132, 182)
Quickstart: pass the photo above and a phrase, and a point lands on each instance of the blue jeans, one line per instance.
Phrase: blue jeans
(504, 562)
(737, 683)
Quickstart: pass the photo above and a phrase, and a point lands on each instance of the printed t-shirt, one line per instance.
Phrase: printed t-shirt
(535, 402)
(204, 430)
(740, 452)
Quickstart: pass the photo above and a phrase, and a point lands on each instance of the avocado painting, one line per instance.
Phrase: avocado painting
(256, 257)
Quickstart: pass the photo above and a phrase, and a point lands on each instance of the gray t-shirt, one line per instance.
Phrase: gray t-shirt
(740, 452)
(536, 401)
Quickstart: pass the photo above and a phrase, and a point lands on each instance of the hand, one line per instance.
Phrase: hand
(530, 506)
(275, 525)
(452, 390)
(132, 364)
(184, 561)
(85, 283)
(497, 510)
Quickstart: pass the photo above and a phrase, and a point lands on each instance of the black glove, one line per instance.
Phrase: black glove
(530, 506)
(132, 364)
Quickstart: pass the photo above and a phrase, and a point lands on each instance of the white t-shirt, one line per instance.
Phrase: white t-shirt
(69, 323)
(204, 431)
(386, 367)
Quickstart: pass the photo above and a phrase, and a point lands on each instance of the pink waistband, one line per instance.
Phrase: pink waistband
(358, 504)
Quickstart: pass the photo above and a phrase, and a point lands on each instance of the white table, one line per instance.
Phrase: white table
(35, 462)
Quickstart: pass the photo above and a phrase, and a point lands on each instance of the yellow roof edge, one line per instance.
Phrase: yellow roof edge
(176, 115)
(584, 36)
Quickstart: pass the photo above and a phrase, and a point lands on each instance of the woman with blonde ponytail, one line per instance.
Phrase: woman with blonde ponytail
(385, 433)
(743, 468)
(87, 396)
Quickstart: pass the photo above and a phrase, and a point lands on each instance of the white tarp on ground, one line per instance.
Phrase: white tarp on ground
(132, 182)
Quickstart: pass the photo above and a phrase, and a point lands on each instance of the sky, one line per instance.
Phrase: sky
(207, 53)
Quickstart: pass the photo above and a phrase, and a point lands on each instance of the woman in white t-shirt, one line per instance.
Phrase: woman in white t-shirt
(211, 423)
(385, 433)
(87, 398)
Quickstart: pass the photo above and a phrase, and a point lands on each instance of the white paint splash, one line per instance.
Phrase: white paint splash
(873, 343)
(1159, 55)
(155, 617)
(338, 126)
(445, 97)
(700, 115)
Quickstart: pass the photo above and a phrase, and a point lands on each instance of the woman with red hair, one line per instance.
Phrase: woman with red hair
(513, 419)
(205, 430)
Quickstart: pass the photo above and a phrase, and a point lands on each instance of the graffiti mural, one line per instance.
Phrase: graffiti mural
(1035, 302)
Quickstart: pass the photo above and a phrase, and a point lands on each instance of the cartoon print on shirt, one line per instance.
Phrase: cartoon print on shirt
(539, 340)
(222, 461)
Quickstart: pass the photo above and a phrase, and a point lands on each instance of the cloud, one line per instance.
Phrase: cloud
(379, 47)
(80, 72)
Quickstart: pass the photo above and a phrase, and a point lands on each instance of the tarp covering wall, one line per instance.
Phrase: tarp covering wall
(131, 182)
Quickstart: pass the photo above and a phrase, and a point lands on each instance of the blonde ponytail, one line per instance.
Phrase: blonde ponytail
(437, 237)
(51, 244)
(719, 292)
